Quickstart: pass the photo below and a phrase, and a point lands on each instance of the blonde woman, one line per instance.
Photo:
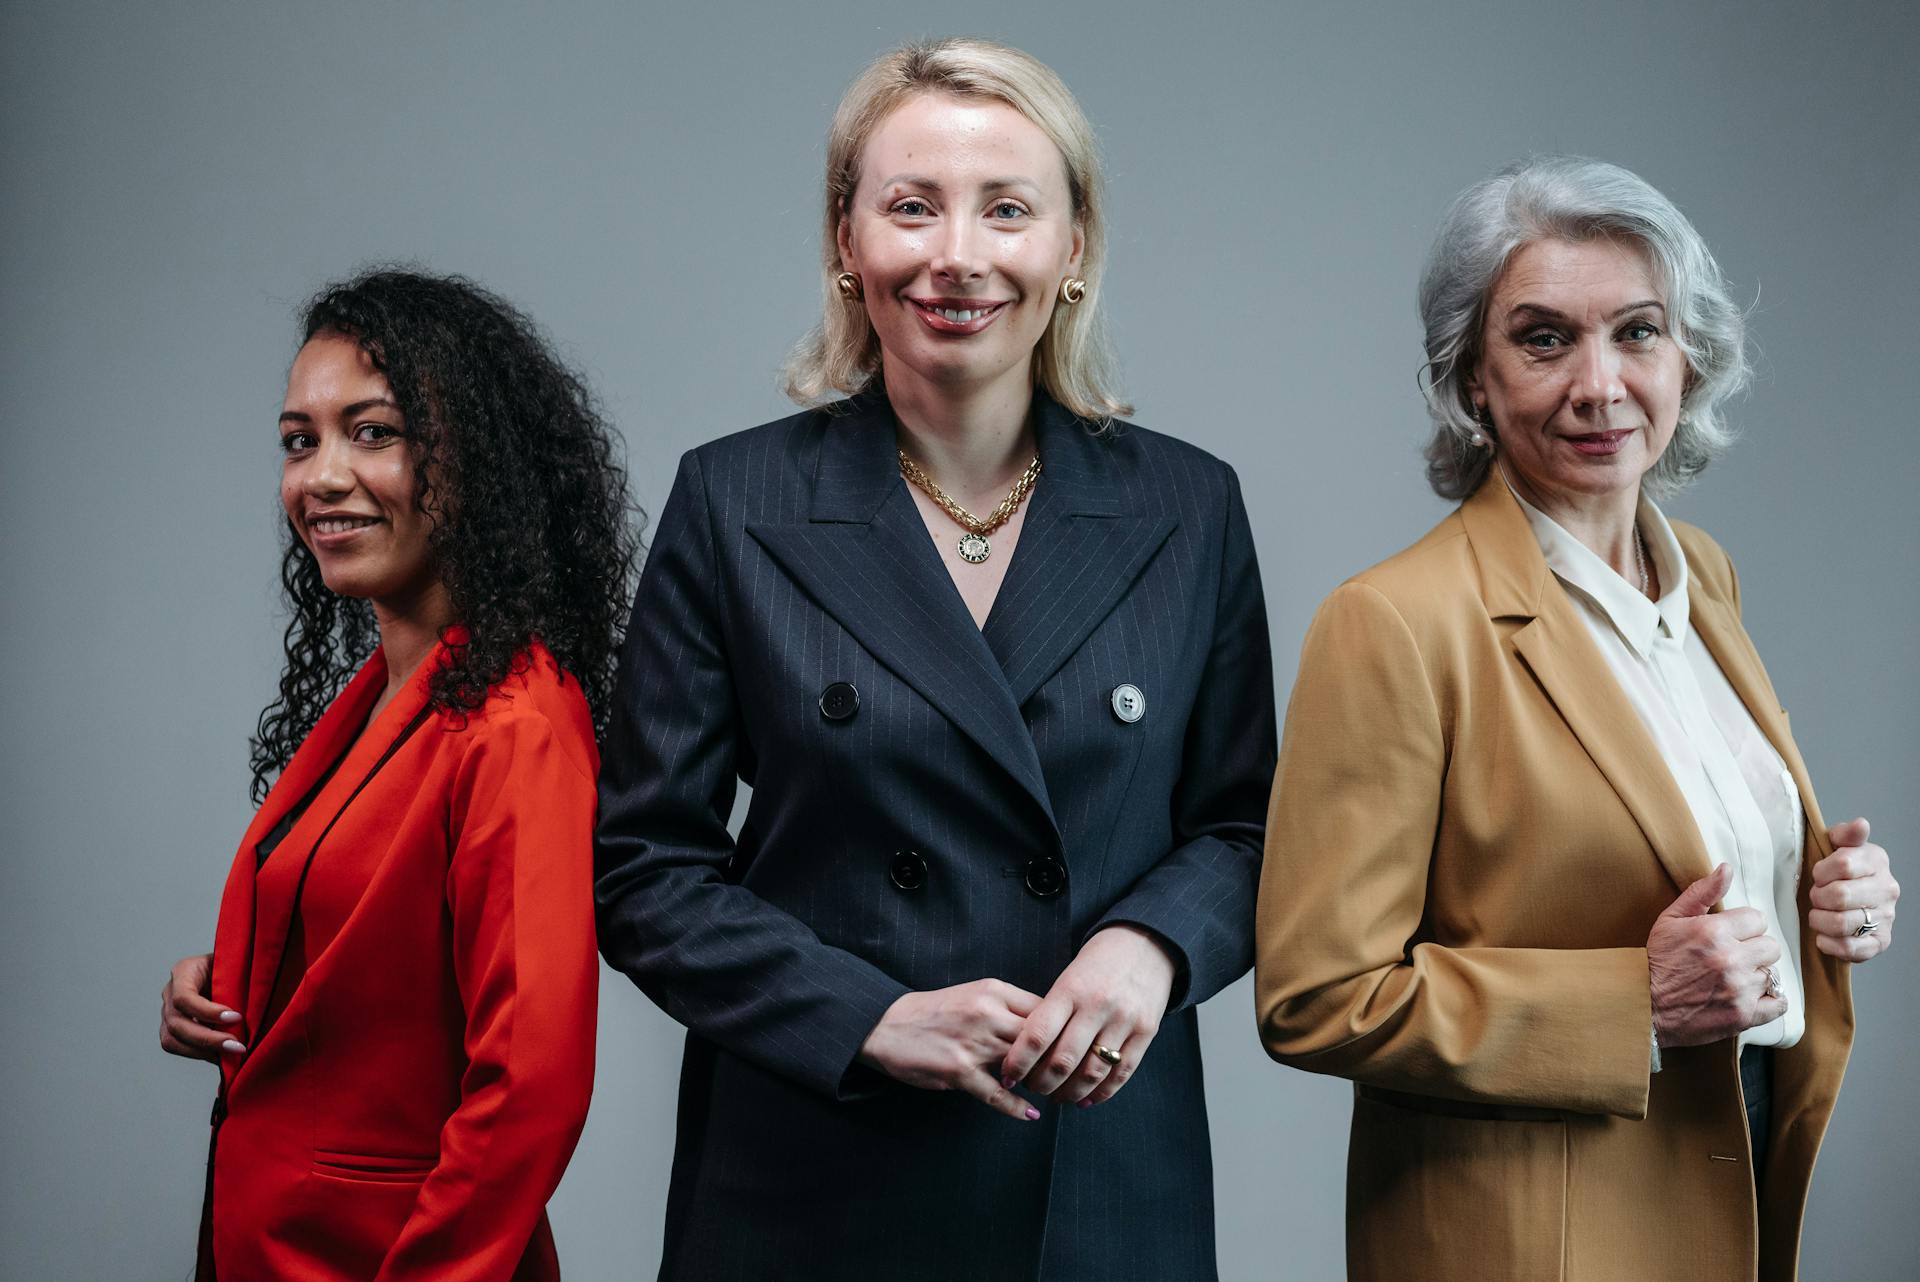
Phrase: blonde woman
(995, 666)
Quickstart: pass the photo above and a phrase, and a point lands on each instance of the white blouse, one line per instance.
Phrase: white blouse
(1741, 795)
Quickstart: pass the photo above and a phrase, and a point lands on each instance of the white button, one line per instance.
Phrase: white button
(1128, 703)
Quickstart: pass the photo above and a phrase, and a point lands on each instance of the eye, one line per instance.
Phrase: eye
(912, 207)
(376, 433)
(292, 443)
(1008, 211)
(1639, 332)
(1543, 340)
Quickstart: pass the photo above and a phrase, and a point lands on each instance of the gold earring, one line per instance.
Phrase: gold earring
(1072, 290)
(849, 286)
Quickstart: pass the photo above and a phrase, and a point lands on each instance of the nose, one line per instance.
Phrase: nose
(1596, 378)
(329, 470)
(956, 251)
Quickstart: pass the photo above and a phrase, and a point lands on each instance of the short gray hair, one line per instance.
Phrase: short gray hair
(1572, 198)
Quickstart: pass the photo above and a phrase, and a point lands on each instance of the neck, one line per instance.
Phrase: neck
(409, 630)
(973, 441)
(1603, 523)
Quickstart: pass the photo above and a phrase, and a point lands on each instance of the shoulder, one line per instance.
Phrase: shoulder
(1159, 458)
(758, 444)
(1431, 580)
(1707, 562)
(538, 708)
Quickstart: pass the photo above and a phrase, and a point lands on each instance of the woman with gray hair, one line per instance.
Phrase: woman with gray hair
(1545, 875)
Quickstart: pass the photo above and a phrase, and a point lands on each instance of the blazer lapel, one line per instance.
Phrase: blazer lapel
(1079, 554)
(277, 897)
(865, 558)
(240, 911)
(1558, 649)
(1727, 641)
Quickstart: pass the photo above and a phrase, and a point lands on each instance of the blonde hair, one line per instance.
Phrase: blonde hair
(1073, 360)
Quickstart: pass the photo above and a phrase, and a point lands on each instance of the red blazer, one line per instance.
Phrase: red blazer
(408, 1102)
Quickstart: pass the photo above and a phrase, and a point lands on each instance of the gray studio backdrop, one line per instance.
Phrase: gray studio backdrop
(643, 178)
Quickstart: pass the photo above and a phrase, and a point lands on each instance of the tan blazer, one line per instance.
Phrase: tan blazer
(1470, 836)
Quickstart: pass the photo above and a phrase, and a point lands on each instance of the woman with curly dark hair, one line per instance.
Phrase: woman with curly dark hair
(401, 994)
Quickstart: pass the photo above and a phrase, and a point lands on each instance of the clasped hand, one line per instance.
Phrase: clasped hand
(988, 1037)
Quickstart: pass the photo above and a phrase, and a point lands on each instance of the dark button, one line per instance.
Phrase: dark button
(908, 870)
(839, 701)
(1046, 877)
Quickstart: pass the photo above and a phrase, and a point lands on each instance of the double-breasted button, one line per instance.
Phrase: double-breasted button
(1046, 877)
(908, 870)
(1128, 703)
(839, 701)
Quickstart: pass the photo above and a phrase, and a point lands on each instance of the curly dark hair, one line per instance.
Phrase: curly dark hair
(534, 534)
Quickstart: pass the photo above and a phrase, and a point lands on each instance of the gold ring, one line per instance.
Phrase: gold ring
(1107, 1053)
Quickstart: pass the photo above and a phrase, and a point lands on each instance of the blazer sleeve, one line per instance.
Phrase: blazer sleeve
(1345, 985)
(519, 893)
(733, 968)
(1197, 898)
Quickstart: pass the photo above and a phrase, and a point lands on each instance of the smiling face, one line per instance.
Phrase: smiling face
(961, 230)
(348, 480)
(1579, 370)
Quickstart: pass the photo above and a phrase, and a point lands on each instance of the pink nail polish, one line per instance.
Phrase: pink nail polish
(1033, 1114)
(1086, 1103)
(1007, 1082)
(231, 1046)
(229, 1017)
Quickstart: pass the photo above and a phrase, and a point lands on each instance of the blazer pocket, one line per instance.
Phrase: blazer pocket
(372, 1168)
(1450, 1198)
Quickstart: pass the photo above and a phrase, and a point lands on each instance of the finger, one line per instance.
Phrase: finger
(1043, 1025)
(201, 1038)
(1094, 1069)
(173, 1046)
(1130, 1057)
(1849, 863)
(980, 1084)
(1852, 948)
(1744, 923)
(1016, 999)
(1854, 832)
(1768, 1009)
(1699, 898)
(1838, 896)
(195, 1007)
(1064, 1056)
(1760, 952)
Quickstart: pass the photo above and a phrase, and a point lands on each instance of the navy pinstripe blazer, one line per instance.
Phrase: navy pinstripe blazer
(790, 558)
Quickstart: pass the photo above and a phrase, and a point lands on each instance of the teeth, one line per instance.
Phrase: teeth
(341, 524)
(961, 317)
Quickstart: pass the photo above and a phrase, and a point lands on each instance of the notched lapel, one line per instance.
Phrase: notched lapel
(1557, 648)
(865, 558)
(1562, 657)
(1080, 553)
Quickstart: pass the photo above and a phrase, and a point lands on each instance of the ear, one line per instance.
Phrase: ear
(1476, 393)
(843, 236)
(1079, 247)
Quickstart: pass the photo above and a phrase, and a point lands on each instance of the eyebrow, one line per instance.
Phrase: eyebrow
(1551, 313)
(933, 184)
(347, 411)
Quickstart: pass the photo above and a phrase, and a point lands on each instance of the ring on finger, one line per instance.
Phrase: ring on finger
(1773, 981)
(1106, 1053)
(1867, 924)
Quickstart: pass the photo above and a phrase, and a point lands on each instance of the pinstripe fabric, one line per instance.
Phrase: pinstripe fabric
(789, 558)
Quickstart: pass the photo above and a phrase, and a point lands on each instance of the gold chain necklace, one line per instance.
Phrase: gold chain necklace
(973, 547)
